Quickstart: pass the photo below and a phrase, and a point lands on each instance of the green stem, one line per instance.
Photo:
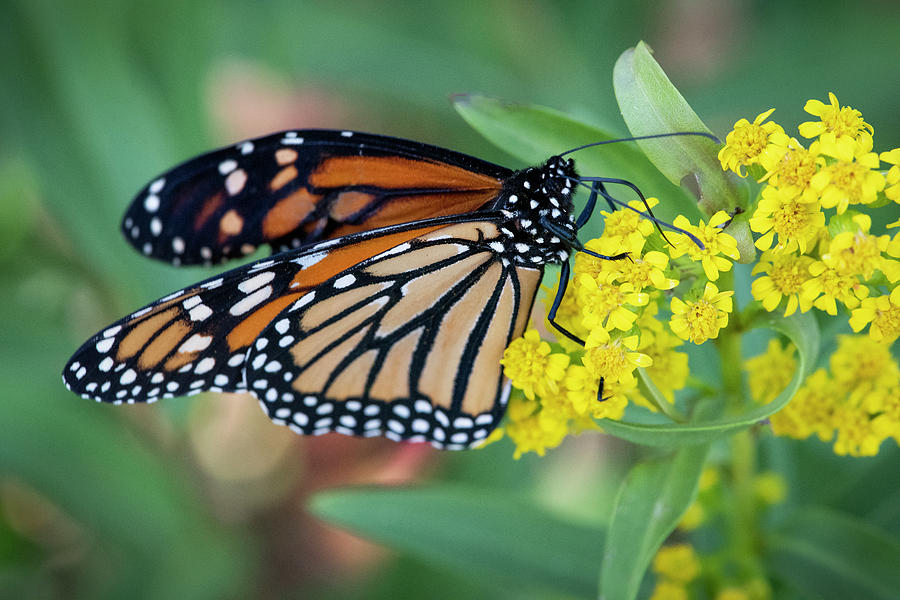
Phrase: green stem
(729, 344)
(742, 519)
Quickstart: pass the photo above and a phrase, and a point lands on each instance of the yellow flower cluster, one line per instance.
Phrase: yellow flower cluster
(819, 252)
(855, 402)
(626, 314)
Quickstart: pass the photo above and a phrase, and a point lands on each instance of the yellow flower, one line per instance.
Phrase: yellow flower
(794, 169)
(626, 226)
(892, 179)
(583, 388)
(882, 313)
(669, 590)
(749, 142)
(678, 563)
(613, 360)
(709, 478)
(841, 121)
(769, 373)
(733, 593)
(669, 370)
(692, 518)
(785, 275)
(862, 363)
(852, 179)
(700, 320)
(530, 429)
(795, 222)
(640, 270)
(715, 242)
(605, 305)
(531, 366)
(827, 286)
(855, 436)
(770, 487)
(811, 410)
(857, 252)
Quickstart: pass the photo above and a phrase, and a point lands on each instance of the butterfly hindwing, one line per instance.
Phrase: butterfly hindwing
(406, 344)
(298, 187)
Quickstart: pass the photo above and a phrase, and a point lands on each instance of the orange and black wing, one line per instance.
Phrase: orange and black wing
(295, 188)
(396, 332)
(405, 345)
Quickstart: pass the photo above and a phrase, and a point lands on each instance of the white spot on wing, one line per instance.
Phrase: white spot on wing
(256, 282)
(196, 343)
(395, 250)
(200, 313)
(345, 281)
(304, 300)
(309, 260)
(227, 166)
(250, 301)
(128, 377)
(151, 203)
(205, 365)
(235, 181)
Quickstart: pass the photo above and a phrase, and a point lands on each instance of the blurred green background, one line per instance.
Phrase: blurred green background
(204, 498)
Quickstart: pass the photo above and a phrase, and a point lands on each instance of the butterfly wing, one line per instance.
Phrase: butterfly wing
(298, 187)
(398, 331)
(406, 345)
(197, 338)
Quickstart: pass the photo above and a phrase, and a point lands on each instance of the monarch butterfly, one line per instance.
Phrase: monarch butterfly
(402, 272)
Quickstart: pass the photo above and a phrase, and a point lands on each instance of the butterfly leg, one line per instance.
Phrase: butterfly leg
(557, 300)
(560, 292)
(600, 397)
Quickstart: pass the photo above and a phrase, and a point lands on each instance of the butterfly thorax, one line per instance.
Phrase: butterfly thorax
(537, 202)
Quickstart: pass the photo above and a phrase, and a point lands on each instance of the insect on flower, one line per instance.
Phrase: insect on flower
(401, 273)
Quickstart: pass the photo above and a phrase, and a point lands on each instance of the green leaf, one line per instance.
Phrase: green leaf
(534, 133)
(133, 502)
(651, 501)
(827, 554)
(18, 206)
(802, 330)
(477, 531)
(650, 104)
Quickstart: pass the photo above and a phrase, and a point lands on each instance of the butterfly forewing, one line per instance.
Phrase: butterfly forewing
(405, 345)
(297, 187)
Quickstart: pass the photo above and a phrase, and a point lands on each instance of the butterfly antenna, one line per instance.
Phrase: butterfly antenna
(594, 187)
(644, 137)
